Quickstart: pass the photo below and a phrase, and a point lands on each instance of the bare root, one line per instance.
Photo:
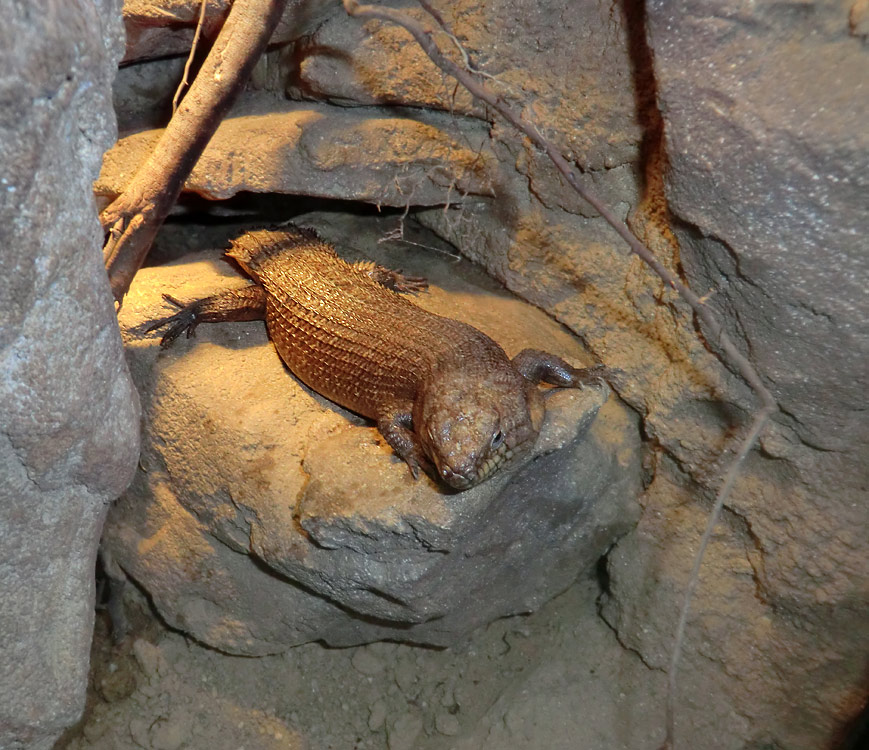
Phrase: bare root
(132, 220)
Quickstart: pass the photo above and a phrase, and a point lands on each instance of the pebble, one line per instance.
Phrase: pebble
(365, 662)
(446, 723)
(403, 732)
(376, 715)
(151, 659)
(405, 674)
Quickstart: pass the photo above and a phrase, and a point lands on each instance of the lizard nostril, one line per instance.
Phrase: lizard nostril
(447, 472)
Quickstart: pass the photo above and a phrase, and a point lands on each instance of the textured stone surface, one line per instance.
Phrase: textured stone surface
(769, 176)
(161, 28)
(68, 413)
(524, 683)
(371, 155)
(764, 106)
(266, 516)
(345, 60)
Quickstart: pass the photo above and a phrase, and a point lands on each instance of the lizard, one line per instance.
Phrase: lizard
(443, 394)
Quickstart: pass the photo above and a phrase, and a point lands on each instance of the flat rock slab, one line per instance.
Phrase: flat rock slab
(160, 28)
(265, 516)
(270, 145)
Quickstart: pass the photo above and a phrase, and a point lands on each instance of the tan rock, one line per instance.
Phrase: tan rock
(266, 516)
(583, 95)
(160, 28)
(272, 146)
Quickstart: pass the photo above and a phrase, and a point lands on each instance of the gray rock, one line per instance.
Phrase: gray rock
(765, 110)
(402, 733)
(776, 183)
(68, 412)
(265, 516)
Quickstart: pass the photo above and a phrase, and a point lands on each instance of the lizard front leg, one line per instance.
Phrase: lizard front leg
(395, 280)
(396, 426)
(542, 367)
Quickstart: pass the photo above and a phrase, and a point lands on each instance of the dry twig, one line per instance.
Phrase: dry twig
(730, 354)
(185, 77)
(132, 220)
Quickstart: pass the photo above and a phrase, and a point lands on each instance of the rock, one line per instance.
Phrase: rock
(447, 724)
(161, 28)
(68, 411)
(272, 146)
(403, 732)
(187, 706)
(769, 169)
(789, 161)
(265, 516)
(172, 732)
(365, 662)
(858, 19)
(377, 715)
(345, 60)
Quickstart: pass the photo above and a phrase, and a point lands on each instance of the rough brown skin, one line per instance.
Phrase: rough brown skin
(444, 395)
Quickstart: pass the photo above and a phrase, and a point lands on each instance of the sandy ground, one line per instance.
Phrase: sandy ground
(552, 680)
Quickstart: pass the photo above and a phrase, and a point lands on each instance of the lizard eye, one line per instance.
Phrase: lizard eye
(497, 439)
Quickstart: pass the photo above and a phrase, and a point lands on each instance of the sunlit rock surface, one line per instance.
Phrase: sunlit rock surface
(267, 145)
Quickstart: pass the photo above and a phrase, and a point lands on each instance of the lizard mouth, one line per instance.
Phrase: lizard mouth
(482, 471)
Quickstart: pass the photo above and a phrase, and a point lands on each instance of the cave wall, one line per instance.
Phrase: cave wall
(730, 137)
(68, 412)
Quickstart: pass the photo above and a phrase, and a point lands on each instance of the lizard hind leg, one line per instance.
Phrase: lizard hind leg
(247, 303)
(395, 280)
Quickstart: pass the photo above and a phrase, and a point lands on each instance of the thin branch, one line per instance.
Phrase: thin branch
(730, 354)
(185, 76)
(132, 220)
(761, 417)
(466, 58)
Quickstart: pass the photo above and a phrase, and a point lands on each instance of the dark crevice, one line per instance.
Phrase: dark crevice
(602, 576)
(645, 85)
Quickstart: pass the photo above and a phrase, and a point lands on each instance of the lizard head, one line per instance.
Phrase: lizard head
(471, 427)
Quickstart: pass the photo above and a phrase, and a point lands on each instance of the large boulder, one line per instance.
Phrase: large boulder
(265, 516)
(765, 110)
(68, 412)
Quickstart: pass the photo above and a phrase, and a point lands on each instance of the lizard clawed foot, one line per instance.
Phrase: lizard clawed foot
(594, 375)
(600, 374)
(186, 319)
(408, 284)
(413, 465)
(416, 462)
(394, 280)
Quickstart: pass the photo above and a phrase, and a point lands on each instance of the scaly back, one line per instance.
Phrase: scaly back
(345, 335)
